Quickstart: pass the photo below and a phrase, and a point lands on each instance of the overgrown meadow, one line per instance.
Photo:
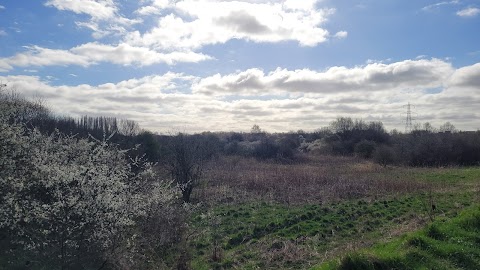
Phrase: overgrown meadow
(100, 193)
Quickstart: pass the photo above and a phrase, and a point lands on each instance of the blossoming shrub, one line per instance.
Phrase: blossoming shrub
(68, 203)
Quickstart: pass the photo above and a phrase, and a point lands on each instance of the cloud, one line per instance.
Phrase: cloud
(241, 21)
(2, 32)
(148, 10)
(98, 10)
(469, 12)
(93, 53)
(467, 77)
(341, 34)
(2, 7)
(440, 4)
(38, 56)
(192, 24)
(195, 23)
(409, 74)
(124, 54)
(105, 18)
(173, 101)
(100, 31)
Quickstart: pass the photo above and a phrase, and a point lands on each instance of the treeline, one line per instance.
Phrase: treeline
(84, 126)
(424, 146)
(427, 148)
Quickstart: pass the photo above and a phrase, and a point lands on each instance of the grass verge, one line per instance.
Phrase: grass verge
(447, 243)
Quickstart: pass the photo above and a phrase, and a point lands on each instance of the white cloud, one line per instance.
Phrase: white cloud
(467, 77)
(99, 10)
(100, 31)
(300, 5)
(124, 54)
(105, 17)
(195, 23)
(469, 12)
(38, 56)
(172, 100)
(440, 4)
(2, 32)
(341, 34)
(154, 7)
(93, 53)
(148, 10)
(409, 74)
(2, 7)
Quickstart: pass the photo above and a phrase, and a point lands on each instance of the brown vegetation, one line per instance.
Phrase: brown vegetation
(316, 179)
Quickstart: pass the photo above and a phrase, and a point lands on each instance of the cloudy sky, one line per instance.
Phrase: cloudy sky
(199, 65)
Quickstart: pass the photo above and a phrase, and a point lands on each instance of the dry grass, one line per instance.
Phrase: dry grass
(316, 179)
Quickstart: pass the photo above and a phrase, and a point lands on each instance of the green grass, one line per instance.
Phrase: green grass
(451, 175)
(249, 234)
(447, 243)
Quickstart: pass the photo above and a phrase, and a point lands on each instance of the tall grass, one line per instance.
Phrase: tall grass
(316, 179)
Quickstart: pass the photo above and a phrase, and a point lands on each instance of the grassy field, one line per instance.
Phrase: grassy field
(444, 244)
(322, 212)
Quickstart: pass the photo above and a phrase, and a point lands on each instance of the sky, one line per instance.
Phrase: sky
(212, 65)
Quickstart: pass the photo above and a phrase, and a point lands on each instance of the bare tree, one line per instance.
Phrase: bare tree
(448, 127)
(342, 124)
(255, 129)
(187, 155)
(128, 127)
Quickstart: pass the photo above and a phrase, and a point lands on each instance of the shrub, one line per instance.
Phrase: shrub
(66, 200)
(266, 149)
(384, 155)
(365, 149)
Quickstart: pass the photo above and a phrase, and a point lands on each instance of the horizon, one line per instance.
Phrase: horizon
(211, 65)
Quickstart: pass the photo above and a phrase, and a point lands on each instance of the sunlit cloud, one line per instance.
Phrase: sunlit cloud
(93, 53)
(469, 12)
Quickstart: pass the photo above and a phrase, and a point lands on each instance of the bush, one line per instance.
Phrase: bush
(384, 155)
(365, 149)
(67, 200)
(266, 149)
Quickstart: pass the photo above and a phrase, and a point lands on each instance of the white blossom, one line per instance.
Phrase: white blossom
(63, 194)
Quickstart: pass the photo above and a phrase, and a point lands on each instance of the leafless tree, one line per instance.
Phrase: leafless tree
(448, 127)
(128, 127)
(188, 153)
